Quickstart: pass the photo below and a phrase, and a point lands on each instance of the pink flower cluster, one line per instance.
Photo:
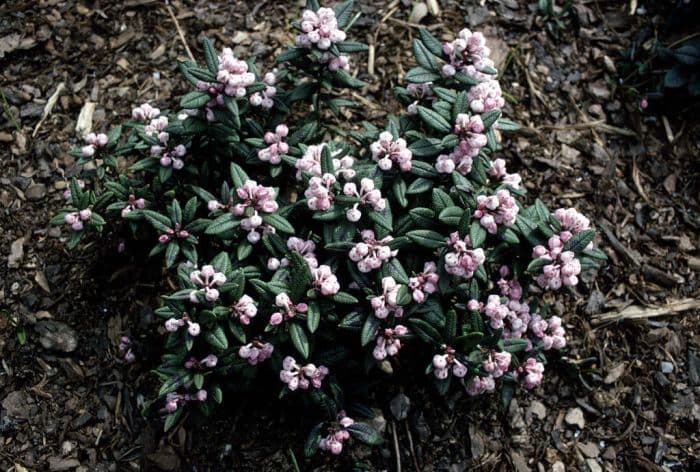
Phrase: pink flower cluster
(478, 385)
(444, 363)
(133, 204)
(176, 232)
(94, 142)
(76, 219)
(256, 352)
(424, 282)
(125, 350)
(244, 310)
(319, 29)
(256, 196)
(468, 54)
(486, 96)
(173, 324)
(276, 145)
(208, 362)
(319, 195)
(336, 63)
(371, 253)
(571, 220)
(550, 331)
(472, 139)
(494, 210)
(253, 224)
(510, 315)
(497, 363)
(288, 309)
(169, 157)
(419, 91)
(387, 342)
(368, 195)
(324, 280)
(311, 162)
(333, 442)
(207, 279)
(531, 373)
(497, 170)
(265, 98)
(145, 113)
(174, 400)
(386, 303)
(297, 376)
(564, 267)
(67, 192)
(461, 260)
(386, 152)
(305, 248)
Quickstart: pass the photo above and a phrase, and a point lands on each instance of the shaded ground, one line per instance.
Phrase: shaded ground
(634, 383)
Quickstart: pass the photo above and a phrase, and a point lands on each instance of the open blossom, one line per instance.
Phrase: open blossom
(77, 219)
(173, 324)
(368, 195)
(509, 288)
(510, 315)
(244, 310)
(463, 261)
(311, 162)
(133, 204)
(306, 248)
(170, 157)
(288, 309)
(174, 400)
(497, 169)
(265, 98)
(447, 362)
(145, 112)
(497, 363)
(531, 373)
(386, 303)
(494, 210)
(256, 352)
(319, 29)
(563, 269)
(470, 130)
(325, 280)
(276, 145)
(94, 142)
(125, 350)
(571, 220)
(319, 195)
(254, 225)
(298, 376)
(386, 152)
(478, 385)
(207, 279)
(550, 331)
(468, 54)
(336, 63)
(387, 342)
(156, 127)
(371, 253)
(337, 434)
(485, 96)
(255, 196)
(208, 362)
(424, 282)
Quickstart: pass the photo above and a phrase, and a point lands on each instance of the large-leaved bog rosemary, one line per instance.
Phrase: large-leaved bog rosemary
(316, 252)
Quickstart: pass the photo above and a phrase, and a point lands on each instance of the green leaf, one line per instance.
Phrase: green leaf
(399, 189)
(346, 79)
(490, 117)
(238, 175)
(222, 224)
(424, 57)
(513, 345)
(427, 238)
(394, 269)
(172, 419)
(469, 341)
(198, 380)
(425, 147)
(425, 331)
(210, 56)
(369, 330)
(382, 218)
(451, 215)
(278, 222)
(176, 212)
(441, 200)
(506, 125)
(243, 250)
(403, 297)
(418, 186)
(313, 317)
(344, 298)
(419, 75)
(343, 12)
(423, 169)
(351, 47)
(300, 276)
(299, 339)
(171, 252)
(423, 217)
(365, 433)
(431, 42)
(232, 107)
(450, 325)
(579, 241)
(194, 100)
(465, 79)
(676, 77)
(313, 440)
(434, 120)
(477, 234)
(217, 338)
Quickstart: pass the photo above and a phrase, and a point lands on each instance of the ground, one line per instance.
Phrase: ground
(624, 395)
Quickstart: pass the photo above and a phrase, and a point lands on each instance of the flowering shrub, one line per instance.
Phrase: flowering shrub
(314, 256)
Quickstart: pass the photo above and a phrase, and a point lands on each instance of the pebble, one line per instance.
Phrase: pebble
(558, 466)
(16, 253)
(19, 404)
(36, 192)
(666, 367)
(574, 417)
(57, 335)
(589, 449)
(58, 463)
(593, 465)
(537, 409)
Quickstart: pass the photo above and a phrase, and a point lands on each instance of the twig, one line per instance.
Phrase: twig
(396, 447)
(635, 312)
(619, 247)
(600, 124)
(49, 106)
(667, 129)
(179, 30)
(410, 445)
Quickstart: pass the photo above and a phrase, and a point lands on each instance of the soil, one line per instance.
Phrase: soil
(624, 396)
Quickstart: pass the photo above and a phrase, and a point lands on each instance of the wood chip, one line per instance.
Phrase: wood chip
(635, 312)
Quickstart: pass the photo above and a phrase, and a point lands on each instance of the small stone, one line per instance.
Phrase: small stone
(593, 465)
(57, 335)
(58, 463)
(574, 417)
(67, 447)
(599, 90)
(16, 253)
(558, 466)
(666, 367)
(519, 462)
(19, 405)
(536, 409)
(399, 406)
(36, 192)
(615, 373)
(420, 11)
(569, 154)
(589, 449)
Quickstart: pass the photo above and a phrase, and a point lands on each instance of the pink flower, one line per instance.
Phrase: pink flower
(244, 310)
(461, 260)
(311, 162)
(297, 376)
(371, 253)
(494, 210)
(387, 152)
(368, 195)
(486, 96)
(288, 309)
(325, 281)
(497, 363)
(478, 385)
(468, 54)
(387, 342)
(256, 352)
(386, 303)
(206, 279)
(531, 373)
(319, 195)
(563, 269)
(276, 145)
(145, 112)
(550, 331)
(447, 362)
(319, 29)
(424, 282)
(256, 196)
